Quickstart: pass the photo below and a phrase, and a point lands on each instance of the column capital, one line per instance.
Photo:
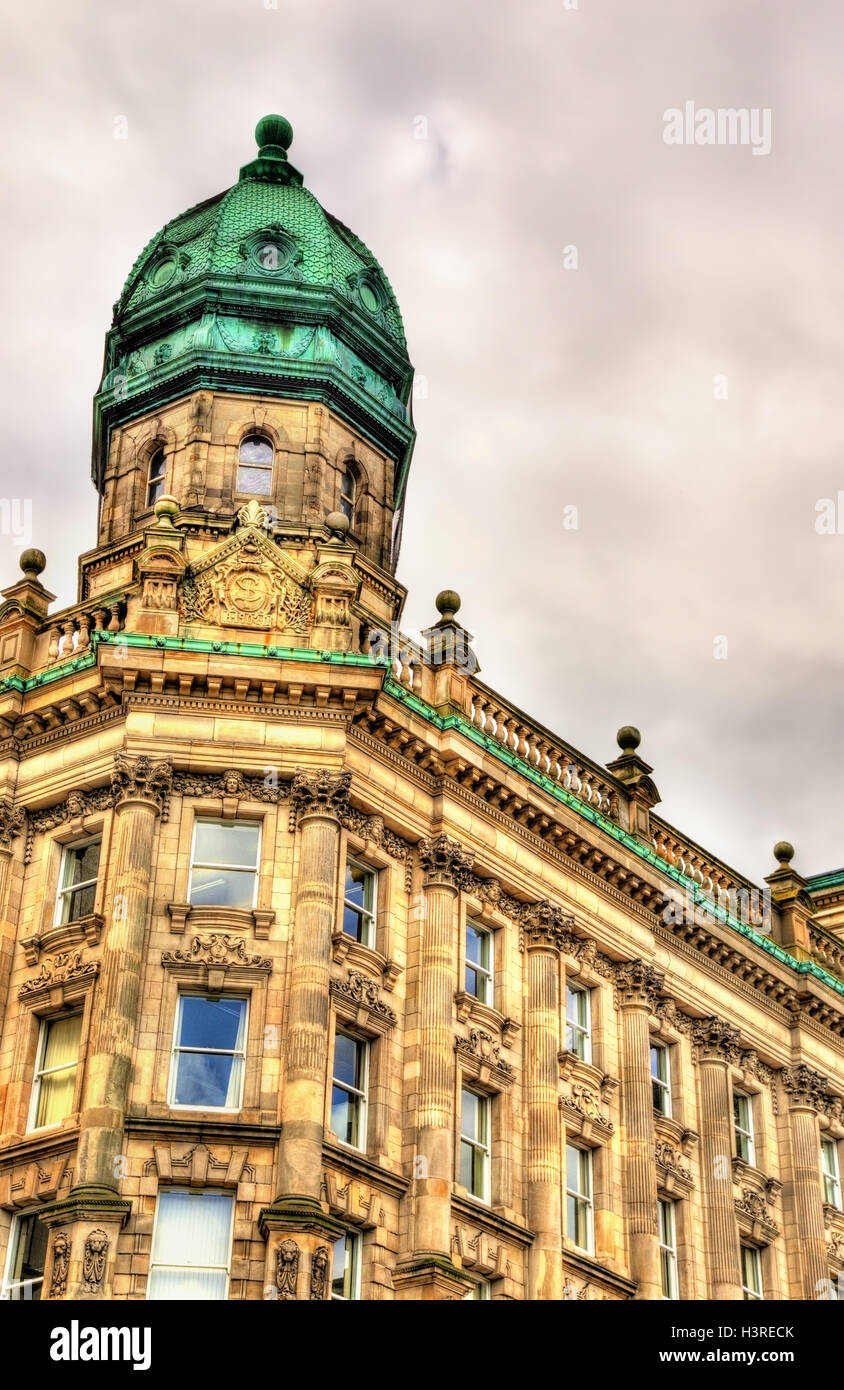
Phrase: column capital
(320, 792)
(12, 822)
(638, 984)
(716, 1040)
(543, 926)
(141, 779)
(807, 1089)
(445, 863)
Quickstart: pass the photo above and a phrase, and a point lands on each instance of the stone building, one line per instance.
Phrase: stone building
(325, 971)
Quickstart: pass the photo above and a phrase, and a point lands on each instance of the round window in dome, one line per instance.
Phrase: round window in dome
(162, 272)
(369, 296)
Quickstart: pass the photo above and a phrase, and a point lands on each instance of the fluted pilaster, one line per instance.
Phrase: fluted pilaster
(319, 800)
(718, 1045)
(542, 928)
(637, 989)
(807, 1094)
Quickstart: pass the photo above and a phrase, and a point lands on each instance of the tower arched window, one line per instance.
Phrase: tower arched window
(155, 477)
(347, 495)
(255, 466)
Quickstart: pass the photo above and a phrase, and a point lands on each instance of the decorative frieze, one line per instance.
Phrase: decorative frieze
(352, 1201)
(373, 830)
(231, 784)
(672, 1165)
(217, 949)
(753, 1207)
(75, 806)
(478, 1251)
(363, 993)
(482, 1048)
(588, 1108)
(64, 968)
(445, 863)
(198, 1166)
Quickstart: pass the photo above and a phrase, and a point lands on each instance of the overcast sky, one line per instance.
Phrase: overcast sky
(548, 388)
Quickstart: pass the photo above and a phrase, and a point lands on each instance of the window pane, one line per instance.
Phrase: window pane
(55, 1097)
(156, 464)
(234, 843)
(467, 1161)
(223, 887)
(192, 1228)
(214, 1023)
(347, 1057)
(208, 1079)
(56, 1089)
(81, 863)
(255, 449)
(470, 1124)
(355, 924)
(345, 1116)
(256, 481)
(475, 946)
(343, 1269)
(359, 886)
(30, 1253)
(79, 902)
(62, 1041)
(659, 1063)
(196, 1285)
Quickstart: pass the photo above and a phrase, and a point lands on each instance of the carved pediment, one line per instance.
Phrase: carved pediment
(246, 581)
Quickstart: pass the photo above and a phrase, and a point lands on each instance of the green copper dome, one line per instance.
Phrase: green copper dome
(260, 289)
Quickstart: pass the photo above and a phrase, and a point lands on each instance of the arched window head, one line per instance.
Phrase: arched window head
(155, 477)
(347, 495)
(255, 466)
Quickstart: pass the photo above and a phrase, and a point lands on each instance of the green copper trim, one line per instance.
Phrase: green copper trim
(490, 745)
(833, 879)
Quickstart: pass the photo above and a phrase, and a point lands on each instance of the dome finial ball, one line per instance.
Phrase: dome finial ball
(783, 852)
(447, 603)
(274, 130)
(33, 563)
(628, 738)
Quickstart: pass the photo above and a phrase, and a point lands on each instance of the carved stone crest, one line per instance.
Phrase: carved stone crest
(287, 1269)
(319, 1272)
(245, 583)
(94, 1260)
(217, 948)
(62, 968)
(61, 1261)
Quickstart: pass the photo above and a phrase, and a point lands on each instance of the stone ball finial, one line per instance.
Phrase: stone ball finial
(337, 522)
(783, 853)
(274, 133)
(628, 738)
(166, 508)
(33, 563)
(447, 604)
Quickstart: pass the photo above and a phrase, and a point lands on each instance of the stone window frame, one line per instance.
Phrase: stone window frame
(764, 1127)
(765, 1255)
(358, 1238)
(206, 1189)
(16, 1217)
(49, 935)
(346, 462)
(54, 1001)
(185, 977)
(500, 1015)
(163, 439)
(345, 1020)
(374, 959)
(679, 1058)
(485, 1080)
(603, 1012)
(264, 499)
(597, 1153)
(677, 1222)
(186, 916)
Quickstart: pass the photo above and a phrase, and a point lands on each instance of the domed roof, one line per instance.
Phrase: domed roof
(260, 290)
(268, 227)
